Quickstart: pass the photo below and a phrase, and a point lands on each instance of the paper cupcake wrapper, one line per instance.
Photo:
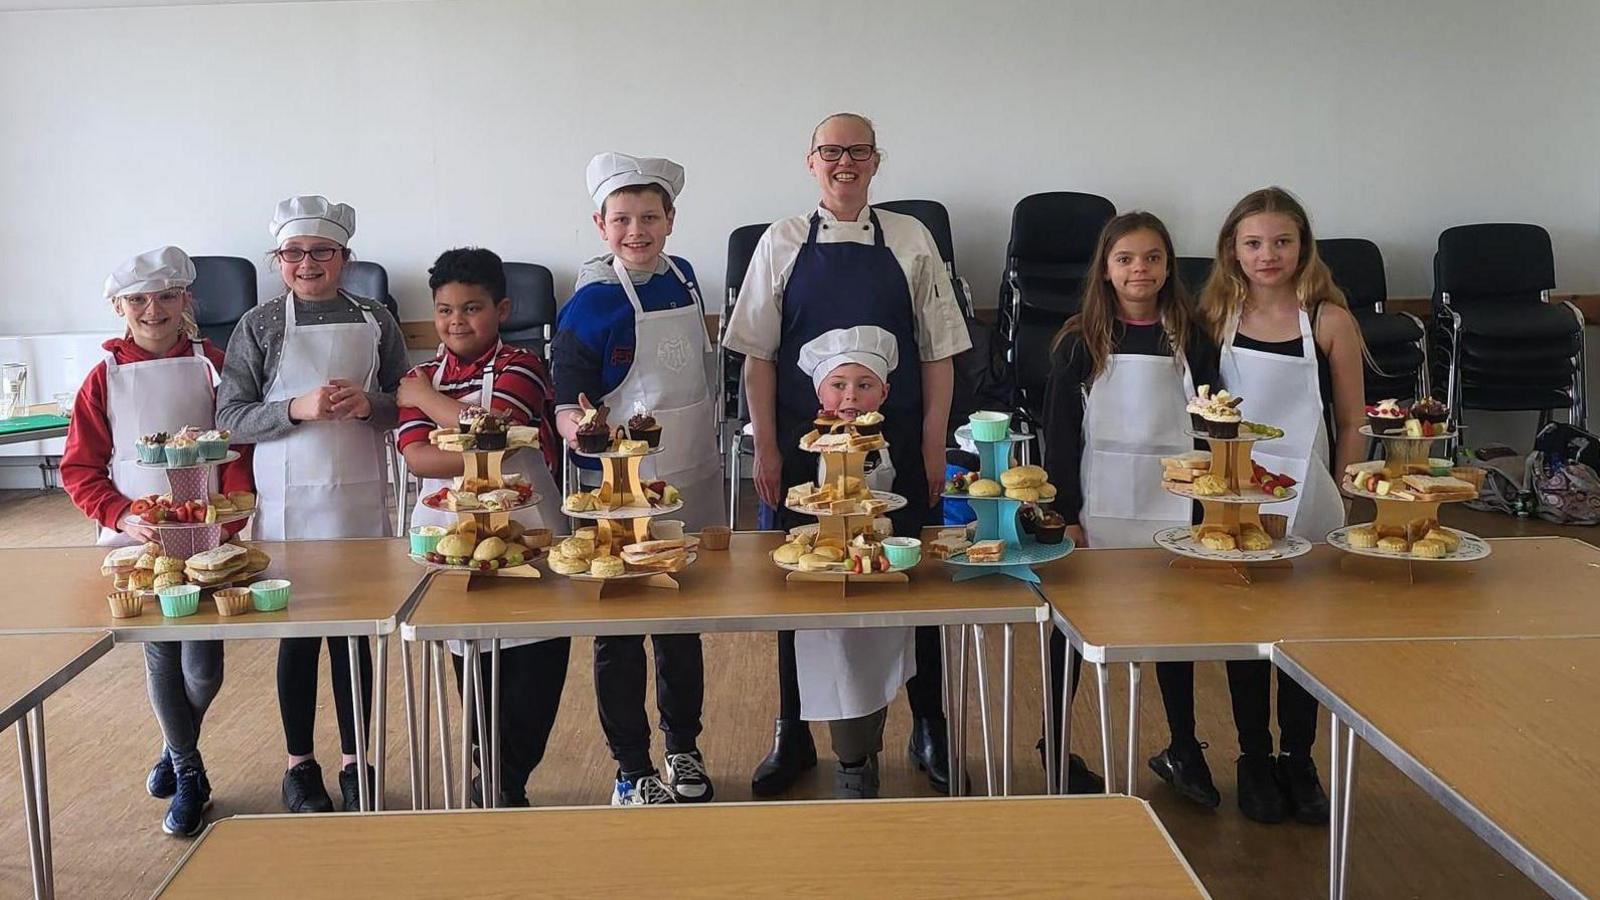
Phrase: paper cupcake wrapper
(715, 539)
(186, 542)
(151, 453)
(125, 604)
(233, 601)
(176, 606)
(212, 449)
(182, 456)
(269, 600)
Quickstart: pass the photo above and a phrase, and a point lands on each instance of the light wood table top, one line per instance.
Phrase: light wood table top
(739, 589)
(340, 588)
(37, 665)
(1103, 847)
(1504, 733)
(1135, 605)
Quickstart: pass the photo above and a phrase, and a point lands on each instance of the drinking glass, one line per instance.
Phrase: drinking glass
(13, 389)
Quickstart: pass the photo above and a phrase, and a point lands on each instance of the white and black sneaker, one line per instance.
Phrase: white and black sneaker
(647, 790)
(686, 775)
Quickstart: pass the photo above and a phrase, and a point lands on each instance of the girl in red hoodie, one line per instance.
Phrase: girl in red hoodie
(160, 376)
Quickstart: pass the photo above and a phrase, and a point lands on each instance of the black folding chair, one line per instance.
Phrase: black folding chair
(224, 290)
(532, 291)
(738, 441)
(1396, 342)
(934, 217)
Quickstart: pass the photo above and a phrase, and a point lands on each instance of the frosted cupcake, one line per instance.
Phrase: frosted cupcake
(1197, 407)
(1222, 421)
(152, 448)
(182, 451)
(213, 444)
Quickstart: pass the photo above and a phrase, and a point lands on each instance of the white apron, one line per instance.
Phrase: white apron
(849, 672)
(1135, 414)
(677, 391)
(1285, 391)
(143, 398)
(527, 462)
(324, 479)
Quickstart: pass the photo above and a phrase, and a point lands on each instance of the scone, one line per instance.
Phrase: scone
(567, 565)
(1392, 544)
(830, 553)
(789, 554)
(1218, 540)
(606, 567)
(166, 564)
(1047, 492)
(588, 533)
(1449, 539)
(984, 487)
(1253, 538)
(1362, 536)
(576, 548)
(1428, 548)
(815, 562)
(582, 501)
(1026, 494)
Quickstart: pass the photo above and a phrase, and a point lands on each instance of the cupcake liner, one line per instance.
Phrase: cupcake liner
(1275, 526)
(1198, 422)
(270, 595)
(423, 544)
(182, 456)
(233, 601)
(213, 449)
(989, 426)
(1222, 429)
(715, 537)
(151, 453)
(903, 556)
(179, 600)
(125, 604)
(651, 437)
(594, 443)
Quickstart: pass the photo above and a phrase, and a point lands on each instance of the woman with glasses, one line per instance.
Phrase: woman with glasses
(310, 380)
(838, 266)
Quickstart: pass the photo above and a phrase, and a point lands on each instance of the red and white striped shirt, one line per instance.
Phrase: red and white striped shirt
(521, 388)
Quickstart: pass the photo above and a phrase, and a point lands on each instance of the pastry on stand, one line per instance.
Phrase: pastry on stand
(1407, 487)
(844, 547)
(619, 546)
(998, 494)
(485, 541)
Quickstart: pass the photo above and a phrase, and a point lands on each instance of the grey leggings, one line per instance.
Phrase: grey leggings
(183, 679)
(856, 739)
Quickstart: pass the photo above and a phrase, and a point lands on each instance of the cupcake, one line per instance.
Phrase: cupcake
(182, 450)
(827, 420)
(643, 427)
(1386, 417)
(1222, 420)
(468, 417)
(1429, 410)
(1050, 529)
(213, 444)
(594, 436)
(867, 423)
(152, 448)
(1197, 407)
(1028, 517)
(489, 432)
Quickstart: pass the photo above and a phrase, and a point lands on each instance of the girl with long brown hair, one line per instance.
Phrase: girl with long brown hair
(1122, 371)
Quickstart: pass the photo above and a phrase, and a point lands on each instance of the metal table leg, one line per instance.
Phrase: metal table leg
(469, 680)
(42, 788)
(1049, 725)
(958, 762)
(358, 714)
(479, 690)
(1351, 746)
(1067, 685)
(423, 737)
(1007, 665)
(1104, 690)
(980, 659)
(1133, 729)
(434, 649)
(1335, 805)
(947, 675)
(380, 719)
(410, 704)
(492, 778)
(30, 809)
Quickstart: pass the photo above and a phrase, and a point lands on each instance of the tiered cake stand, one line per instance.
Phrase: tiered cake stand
(839, 467)
(487, 466)
(1241, 505)
(626, 518)
(997, 520)
(184, 539)
(1400, 516)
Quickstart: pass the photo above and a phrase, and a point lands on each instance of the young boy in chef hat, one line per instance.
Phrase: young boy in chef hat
(159, 376)
(473, 367)
(310, 380)
(849, 676)
(633, 336)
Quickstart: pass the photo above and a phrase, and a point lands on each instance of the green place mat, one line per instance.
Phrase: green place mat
(31, 423)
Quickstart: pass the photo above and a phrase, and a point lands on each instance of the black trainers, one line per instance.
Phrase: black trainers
(510, 798)
(793, 752)
(1080, 778)
(163, 781)
(1184, 767)
(646, 789)
(1297, 776)
(687, 776)
(190, 800)
(303, 791)
(351, 788)
(1260, 797)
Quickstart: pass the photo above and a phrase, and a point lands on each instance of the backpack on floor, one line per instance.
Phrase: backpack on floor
(1505, 473)
(1562, 473)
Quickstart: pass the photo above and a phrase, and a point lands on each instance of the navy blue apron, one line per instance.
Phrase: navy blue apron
(841, 285)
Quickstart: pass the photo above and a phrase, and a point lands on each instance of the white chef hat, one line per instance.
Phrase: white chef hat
(151, 271)
(313, 215)
(867, 345)
(610, 171)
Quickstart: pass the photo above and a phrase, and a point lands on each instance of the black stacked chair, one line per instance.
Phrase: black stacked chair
(532, 291)
(1052, 242)
(735, 418)
(1193, 271)
(370, 280)
(1396, 342)
(224, 290)
(935, 218)
(1499, 343)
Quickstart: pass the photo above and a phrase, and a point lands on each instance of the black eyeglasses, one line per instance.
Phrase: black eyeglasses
(320, 254)
(836, 152)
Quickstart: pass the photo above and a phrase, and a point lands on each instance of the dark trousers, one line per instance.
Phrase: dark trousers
(297, 691)
(924, 692)
(1250, 683)
(619, 682)
(532, 678)
(1058, 668)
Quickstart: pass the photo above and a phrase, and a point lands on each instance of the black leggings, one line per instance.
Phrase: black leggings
(1058, 666)
(532, 678)
(924, 692)
(1250, 683)
(297, 691)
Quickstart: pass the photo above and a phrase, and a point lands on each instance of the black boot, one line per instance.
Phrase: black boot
(1184, 767)
(793, 752)
(1297, 776)
(930, 752)
(1080, 778)
(1260, 797)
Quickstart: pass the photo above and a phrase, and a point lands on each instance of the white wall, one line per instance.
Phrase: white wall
(447, 123)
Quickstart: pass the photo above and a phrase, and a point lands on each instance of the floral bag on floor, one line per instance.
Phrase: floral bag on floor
(1562, 473)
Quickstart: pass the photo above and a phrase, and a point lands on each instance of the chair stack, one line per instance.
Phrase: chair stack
(224, 290)
(1396, 366)
(370, 280)
(735, 412)
(532, 291)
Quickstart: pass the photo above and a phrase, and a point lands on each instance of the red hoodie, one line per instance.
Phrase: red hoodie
(86, 462)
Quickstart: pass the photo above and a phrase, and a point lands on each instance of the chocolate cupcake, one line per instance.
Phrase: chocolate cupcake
(1386, 417)
(644, 427)
(1429, 410)
(1051, 529)
(489, 433)
(867, 423)
(594, 437)
(469, 417)
(1222, 421)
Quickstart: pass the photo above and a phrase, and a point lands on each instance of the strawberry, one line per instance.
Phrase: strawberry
(883, 563)
(139, 507)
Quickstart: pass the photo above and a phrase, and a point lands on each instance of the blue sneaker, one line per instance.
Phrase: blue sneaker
(163, 782)
(186, 814)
